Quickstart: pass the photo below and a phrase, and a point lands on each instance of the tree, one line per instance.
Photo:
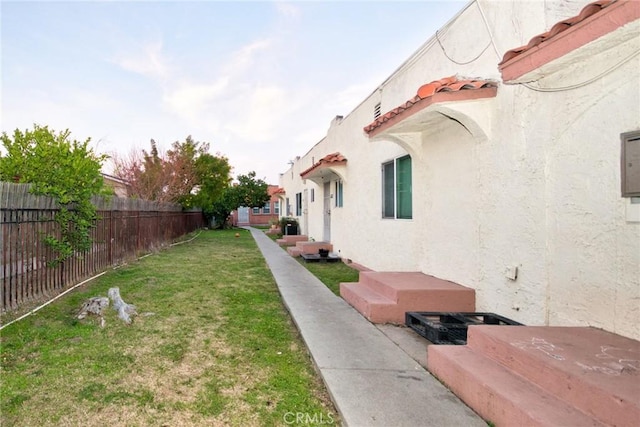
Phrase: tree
(150, 179)
(65, 169)
(213, 176)
(171, 177)
(247, 192)
(180, 169)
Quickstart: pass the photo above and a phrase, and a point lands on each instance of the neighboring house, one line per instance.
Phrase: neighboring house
(263, 216)
(120, 186)
(515, 172)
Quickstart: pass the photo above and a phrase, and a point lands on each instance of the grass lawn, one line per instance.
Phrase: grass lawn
(213, 345)
(331, 274)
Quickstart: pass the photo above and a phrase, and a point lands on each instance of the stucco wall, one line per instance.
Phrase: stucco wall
(593, 251)
(528, 180)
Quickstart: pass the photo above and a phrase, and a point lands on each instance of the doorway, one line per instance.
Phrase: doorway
(243, 216)
(326, 230)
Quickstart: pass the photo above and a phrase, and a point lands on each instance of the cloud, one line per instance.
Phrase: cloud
(244, 57)
(147, 60)
(288, 10)
(232, 94)
(265, 110)
(347, 99)
(191, 100)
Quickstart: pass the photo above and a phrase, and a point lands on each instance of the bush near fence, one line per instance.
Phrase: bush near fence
(125, 229)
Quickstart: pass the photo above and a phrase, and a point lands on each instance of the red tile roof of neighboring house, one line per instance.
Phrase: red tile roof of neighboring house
(587, 11)
(426, 94)
(278, 190)
(332, 159)
(273, 189)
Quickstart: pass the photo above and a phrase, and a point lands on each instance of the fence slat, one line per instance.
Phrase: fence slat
(125, 228)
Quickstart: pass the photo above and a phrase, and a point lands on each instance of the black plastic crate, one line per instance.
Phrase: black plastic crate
(449, 327)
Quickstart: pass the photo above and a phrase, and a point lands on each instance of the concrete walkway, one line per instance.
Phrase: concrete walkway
(371, 380)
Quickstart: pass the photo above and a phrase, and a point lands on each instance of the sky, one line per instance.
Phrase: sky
(260, 81)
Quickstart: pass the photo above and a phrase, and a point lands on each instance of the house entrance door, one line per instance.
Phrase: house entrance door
(305, 212)
(243, 216)
(326, 231)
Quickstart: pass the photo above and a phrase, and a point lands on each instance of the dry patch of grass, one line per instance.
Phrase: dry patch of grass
(213, 346)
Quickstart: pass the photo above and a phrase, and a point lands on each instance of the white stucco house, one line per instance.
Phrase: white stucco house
(504, 155)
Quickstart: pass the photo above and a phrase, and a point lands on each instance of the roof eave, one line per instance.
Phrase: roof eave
(322, 171)
(436, 98)
(609, 19)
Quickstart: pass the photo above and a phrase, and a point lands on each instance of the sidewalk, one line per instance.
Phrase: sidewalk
(371, 380)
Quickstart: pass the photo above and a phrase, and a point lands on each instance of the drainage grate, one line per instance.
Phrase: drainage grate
(451, 328)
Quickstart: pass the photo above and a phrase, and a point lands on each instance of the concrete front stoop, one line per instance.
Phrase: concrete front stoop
(385, 297)
(308, 248)
(543, 376)
(291, 240)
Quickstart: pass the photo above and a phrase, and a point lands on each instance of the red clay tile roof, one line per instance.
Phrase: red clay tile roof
(332, 159)
(594, 21)
(586, 12)
(427, 91)
(274, 189)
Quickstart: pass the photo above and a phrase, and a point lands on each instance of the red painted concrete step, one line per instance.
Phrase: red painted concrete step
(595, 372)
(370, 304)
(497, 394)
(294, 251)
(291, 240)
(313, 247)
(304, 247)
(385, 297)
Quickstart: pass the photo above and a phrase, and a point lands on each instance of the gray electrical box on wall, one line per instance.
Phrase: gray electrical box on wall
(630, 164)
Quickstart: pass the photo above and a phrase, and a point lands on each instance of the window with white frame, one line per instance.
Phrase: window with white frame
(396, 189)
(266, 209)
(276, 207)
(338, 194)
(313, 195)
(256, 211)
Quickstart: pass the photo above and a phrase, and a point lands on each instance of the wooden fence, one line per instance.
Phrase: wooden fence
(125, 229)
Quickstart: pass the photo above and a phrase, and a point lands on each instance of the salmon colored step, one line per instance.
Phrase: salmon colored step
(313, 247)
(385, 297)
(291, 240)
(497, 394)
(373, 306)
(596, 371)
(294, 251)
(401, 286)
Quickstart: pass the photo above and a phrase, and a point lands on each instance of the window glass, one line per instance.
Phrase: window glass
(396, 189)
(298, 204)
(338, 192)
(388, 190)
(403, 187)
